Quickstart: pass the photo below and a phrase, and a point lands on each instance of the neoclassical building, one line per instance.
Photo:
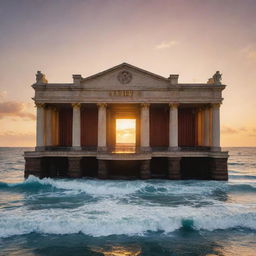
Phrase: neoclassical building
(126, 122)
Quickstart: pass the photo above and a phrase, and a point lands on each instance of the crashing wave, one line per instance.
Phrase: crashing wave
(108, 217)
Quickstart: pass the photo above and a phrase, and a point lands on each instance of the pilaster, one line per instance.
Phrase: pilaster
(145, 169)
(74, 167)
(174, 170)
(102, 171)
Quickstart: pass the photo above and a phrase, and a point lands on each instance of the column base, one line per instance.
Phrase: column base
(40, 148)
(76, 148)
(74, 167)
(145, 169)
(145, 149)
(102, 149)
(174, 172)
(173, 148)
(102, 169)
(216, 149)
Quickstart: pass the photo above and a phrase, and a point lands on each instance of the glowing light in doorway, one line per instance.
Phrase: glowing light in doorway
(126, 132)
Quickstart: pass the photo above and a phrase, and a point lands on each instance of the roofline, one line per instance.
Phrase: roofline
(124, 64)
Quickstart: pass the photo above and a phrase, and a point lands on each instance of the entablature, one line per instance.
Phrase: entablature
(181, 95)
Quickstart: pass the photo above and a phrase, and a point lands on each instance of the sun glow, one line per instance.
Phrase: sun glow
(126, 132)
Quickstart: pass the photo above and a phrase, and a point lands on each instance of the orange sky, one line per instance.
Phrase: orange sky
(190, 37)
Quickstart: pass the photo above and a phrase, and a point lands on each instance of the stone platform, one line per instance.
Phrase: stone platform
(173, 165)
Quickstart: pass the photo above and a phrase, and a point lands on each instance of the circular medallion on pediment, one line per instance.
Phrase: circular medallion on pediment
(124, 77)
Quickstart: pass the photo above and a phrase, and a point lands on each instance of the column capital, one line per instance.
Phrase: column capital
(54, 109)
(206, 107)
(173, 105)
(102, 105)
(39, 105)
(76, 105)
(145, 105)
(215, 105)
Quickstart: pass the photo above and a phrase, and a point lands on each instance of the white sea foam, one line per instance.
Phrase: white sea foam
(108, 217)
(120, 188)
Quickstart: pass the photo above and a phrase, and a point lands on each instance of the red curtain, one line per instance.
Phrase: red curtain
(187, 129)
(89, 126)
(65, 127)
(159, 126)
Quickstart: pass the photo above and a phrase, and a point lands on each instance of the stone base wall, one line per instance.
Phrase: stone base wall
(74, 167)
(103, 170)
(175, 168)
(33, 166)
(218, 168)
(145, 169)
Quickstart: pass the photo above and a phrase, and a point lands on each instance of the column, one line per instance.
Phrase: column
(102, 127)
(39, 126)
(76, 127)
(55, 127)
(173, 127)
(216, 127)
(206, 127)
(144, 128)
(199, 127)
(48, 126)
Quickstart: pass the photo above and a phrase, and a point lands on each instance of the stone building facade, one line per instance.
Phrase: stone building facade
(176, 127)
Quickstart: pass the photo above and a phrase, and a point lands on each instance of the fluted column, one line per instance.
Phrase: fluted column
(216, 127)
(173, 127)
(102, 127)
(76, 126)
(144, 132)
(199, 127)
(39, 125)
(48, 126)
(206, 118)
(55, 127)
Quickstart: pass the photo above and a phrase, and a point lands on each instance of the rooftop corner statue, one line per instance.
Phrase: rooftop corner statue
(40, 78)
(216, 78)
(128, 123)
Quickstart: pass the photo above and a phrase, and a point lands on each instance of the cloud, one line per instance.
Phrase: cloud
(3, 94)
(251, 131)
(16, 139)
(250, 52)
(166, 44)
(228, 130)
(16, 109)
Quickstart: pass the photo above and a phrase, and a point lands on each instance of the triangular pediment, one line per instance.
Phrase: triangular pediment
(125, 76)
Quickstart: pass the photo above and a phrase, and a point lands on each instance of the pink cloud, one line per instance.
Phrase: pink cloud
(16, 109)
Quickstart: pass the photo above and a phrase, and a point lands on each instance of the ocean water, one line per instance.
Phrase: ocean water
(154, 217)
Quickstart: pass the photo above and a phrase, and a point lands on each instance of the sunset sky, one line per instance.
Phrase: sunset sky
(192, 38)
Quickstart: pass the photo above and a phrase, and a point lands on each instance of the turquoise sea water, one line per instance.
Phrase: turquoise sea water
(155, 217)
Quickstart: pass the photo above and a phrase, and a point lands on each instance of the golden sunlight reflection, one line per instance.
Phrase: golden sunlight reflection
(119, 251)
(125, 135)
